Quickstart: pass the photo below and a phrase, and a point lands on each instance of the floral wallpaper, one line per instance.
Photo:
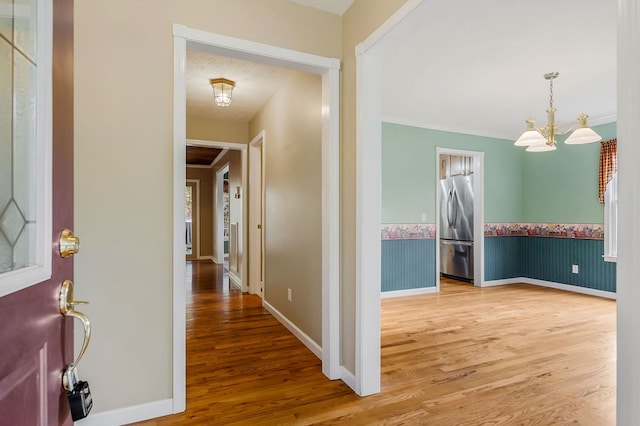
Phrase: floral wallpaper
(408, 231)
(561, 230)
(418, 231)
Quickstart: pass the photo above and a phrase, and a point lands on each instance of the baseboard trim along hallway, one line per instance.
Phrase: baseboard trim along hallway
(306, 340)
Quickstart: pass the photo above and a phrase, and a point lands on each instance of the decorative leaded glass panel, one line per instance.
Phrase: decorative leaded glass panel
(6, 107)
(24, 27)
(6, 21)
(18, 134)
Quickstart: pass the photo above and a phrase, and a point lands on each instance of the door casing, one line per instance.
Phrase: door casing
(218, 237)
(256, 213)
(329, 69)
(195, 215)
(478, 212)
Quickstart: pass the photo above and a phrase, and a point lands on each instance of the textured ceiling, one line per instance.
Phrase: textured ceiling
(255, 84)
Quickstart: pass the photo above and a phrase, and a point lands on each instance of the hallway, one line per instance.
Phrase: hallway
(243, 366)
(515, 354)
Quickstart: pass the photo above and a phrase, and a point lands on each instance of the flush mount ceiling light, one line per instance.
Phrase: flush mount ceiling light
(540, 139)
(222, 89)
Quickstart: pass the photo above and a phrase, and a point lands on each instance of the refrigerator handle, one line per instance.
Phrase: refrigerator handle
(450, 208)
(455, 201)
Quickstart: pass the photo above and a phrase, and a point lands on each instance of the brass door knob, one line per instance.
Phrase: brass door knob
(69, 244)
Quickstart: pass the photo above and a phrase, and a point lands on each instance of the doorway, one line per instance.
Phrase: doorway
(328, 68)
(465, 257)
(221, 209)
(192, 222)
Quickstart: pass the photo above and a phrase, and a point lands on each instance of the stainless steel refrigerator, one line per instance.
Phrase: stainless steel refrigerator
(456, 227)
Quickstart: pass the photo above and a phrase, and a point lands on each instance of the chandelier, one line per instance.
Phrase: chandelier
(540, 139)
(222, 89)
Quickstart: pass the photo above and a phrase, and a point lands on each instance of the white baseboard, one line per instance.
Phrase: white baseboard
(235, 280)
(349, 378)
(306, 340)
(215, 260)
(409, 292)
(502, 282)
(128, 415)
(573, 288)
(211, 258)
(551, 284)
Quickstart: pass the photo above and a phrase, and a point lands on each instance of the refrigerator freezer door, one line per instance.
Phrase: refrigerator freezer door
(456, 259)
(456, 208)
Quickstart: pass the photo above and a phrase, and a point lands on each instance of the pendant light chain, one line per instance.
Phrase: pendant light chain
(550, 93)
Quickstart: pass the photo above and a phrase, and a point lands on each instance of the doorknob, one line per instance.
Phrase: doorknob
(69, 244)
(67, 304)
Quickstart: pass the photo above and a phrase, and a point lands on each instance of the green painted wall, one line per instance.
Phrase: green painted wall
(557, 187)
(561, 186)
(409, 175)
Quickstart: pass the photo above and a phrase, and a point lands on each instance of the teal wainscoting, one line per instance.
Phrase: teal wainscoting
(503, 257)
(549, 259)
(408, 264)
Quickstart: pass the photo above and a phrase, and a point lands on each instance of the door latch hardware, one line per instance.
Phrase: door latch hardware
(69, 244)
(78, 392)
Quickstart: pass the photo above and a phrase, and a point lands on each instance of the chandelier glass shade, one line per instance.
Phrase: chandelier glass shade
(222, 89)
(541, 139)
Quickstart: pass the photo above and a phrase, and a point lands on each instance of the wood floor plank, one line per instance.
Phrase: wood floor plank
(511, 355)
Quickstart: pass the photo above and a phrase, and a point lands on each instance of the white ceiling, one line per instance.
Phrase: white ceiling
(471, 67)
(477, 66)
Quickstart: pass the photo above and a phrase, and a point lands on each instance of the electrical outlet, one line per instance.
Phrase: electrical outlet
(424, 217)
(289, 294)
(574, 269)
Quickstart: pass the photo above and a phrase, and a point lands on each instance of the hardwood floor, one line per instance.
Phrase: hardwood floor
(511, 355)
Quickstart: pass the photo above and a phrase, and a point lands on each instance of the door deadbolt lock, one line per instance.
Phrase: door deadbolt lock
(69, 244)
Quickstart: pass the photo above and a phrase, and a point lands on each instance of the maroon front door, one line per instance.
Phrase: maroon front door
(36, 341)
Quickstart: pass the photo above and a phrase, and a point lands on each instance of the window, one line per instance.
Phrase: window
(611, 219)
(608, 195)
(25, 144)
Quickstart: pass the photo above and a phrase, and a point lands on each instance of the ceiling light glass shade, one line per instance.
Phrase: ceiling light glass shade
(222, 89)
(543, 147)
(583, 134)
(530, 137)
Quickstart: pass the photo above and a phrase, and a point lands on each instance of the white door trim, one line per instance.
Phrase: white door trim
(256, 215)
(478, 212)
(369, 199)
(195, 227)
(628, 267)
(329, 69)
(218, 208)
